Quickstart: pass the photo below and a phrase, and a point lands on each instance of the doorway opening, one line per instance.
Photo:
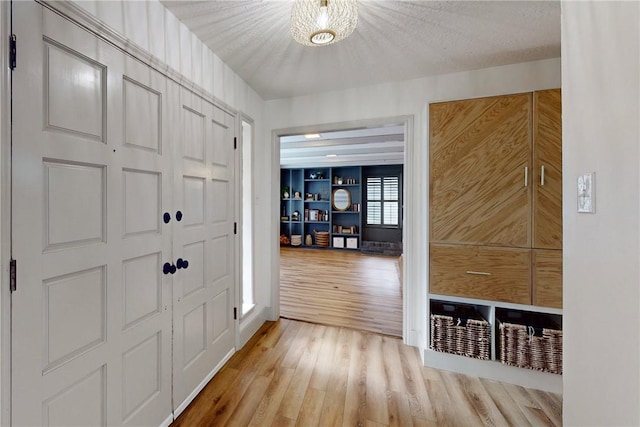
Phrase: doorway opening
(341, 227)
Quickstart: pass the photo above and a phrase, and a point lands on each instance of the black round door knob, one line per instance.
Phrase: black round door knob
(182, 263)
(173, 269)
(166, 268)
(178, 216)
(166, 217)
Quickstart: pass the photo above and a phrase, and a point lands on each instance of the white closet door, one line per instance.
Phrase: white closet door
(91, 318)
(203, 294)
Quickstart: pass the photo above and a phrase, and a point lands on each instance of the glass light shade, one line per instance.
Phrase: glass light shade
(323, 22)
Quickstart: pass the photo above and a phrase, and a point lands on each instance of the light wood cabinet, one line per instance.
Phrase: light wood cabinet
(547, 278)
(547, 169)
(496, 198)
(490, 273)
(480, 150)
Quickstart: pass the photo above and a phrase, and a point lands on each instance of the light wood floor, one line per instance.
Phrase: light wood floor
(341, 288)
(294, 373)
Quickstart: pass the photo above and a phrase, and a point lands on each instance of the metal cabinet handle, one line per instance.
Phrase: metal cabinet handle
(478, 273)
(526, 176)
(182, 263)
(542, 175)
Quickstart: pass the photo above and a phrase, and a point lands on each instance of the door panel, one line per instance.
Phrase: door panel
(479, 191)
(203, 301)
(91, 339)
(547, 154)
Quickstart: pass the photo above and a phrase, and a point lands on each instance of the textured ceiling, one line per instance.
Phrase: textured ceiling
(394, 41)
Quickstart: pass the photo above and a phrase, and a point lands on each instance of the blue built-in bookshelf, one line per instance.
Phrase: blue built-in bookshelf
(307, 208)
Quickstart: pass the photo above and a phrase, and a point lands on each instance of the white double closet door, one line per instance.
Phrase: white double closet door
(122, 228)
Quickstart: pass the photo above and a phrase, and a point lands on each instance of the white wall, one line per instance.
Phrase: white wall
(392, 100)
(600, 91)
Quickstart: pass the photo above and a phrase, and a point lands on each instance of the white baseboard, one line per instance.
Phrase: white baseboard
(168, 421)
(250, 325)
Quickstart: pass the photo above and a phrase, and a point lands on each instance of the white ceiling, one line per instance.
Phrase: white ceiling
(394, 41)
(364, 146)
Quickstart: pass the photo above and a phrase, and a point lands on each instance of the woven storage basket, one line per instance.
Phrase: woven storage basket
(530, 340)
(322, 238)
(459, 329)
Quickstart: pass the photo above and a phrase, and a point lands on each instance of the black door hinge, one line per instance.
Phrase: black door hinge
(235, 313)
(235, 228)
(12, 51)
(12, 275)
(235, 142)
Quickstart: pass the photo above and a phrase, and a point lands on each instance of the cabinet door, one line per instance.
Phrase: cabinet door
(547, 278)
(547, 169)
(480, 150)
(496, 274)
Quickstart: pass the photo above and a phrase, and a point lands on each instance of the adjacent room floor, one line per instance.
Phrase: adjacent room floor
(341, 288)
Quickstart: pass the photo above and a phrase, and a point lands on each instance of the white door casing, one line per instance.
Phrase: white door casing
(94, 140)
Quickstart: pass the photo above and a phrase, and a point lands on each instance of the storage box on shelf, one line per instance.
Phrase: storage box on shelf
(529, 340)
(459, 329)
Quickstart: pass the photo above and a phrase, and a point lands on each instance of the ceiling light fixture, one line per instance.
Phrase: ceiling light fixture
(312, 135)
(331, 155)
(323, 22)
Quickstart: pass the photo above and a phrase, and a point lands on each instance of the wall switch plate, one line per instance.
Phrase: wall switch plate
(587, 193)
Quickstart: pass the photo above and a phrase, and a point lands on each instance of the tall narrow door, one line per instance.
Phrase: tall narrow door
(91, 317)
(204, 242)
(547, 168)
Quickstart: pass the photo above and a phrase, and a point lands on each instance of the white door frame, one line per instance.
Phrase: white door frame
(5, 214)
(408, 236)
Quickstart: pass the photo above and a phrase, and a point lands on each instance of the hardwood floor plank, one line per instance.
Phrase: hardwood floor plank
(529, 406)
(267, 409)
(466, 412)
(246, 408)
(377, 384)
(421, 406)
(551, 407)
(399, 410)
(333, 408)
(356, 398)
(294, 396)
(505, 404)
(328, 376)
(311, 409)
(482, 403)
(322, 370)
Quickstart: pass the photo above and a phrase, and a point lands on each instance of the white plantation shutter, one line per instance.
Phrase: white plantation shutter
(383, 200)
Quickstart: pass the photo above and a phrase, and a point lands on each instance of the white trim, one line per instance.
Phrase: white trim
(410, 285)
(5, 216)
(167, 422)
(202, 384)
(494, 370)
(250, 325)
